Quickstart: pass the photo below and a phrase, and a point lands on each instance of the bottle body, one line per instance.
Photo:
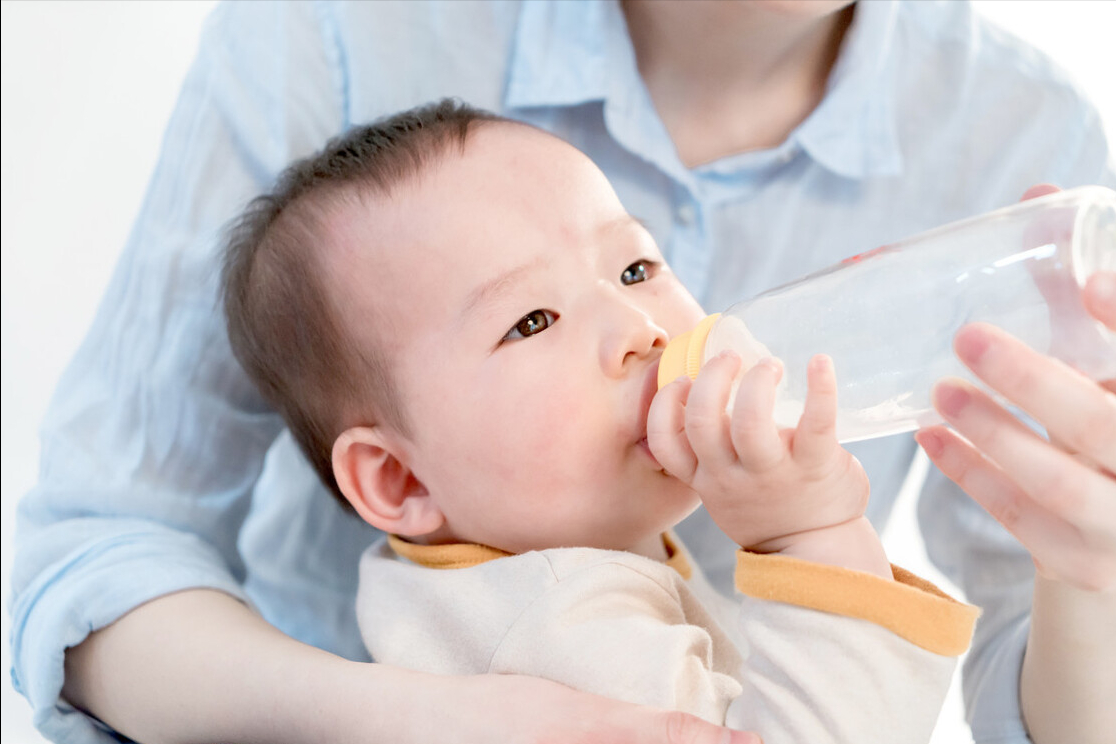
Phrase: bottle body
(887, 317)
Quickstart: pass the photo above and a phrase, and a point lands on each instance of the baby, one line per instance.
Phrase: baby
(461, 325)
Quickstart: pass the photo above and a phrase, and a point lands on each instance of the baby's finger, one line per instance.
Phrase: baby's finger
(666, 430)
(1076, 411)
(816, 435)
(707, 424)
(754, 434)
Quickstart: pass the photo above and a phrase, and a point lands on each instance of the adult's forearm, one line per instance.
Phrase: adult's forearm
(1068, 682)
(200, 666)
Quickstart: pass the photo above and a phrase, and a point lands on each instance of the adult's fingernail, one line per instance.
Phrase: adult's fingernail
(950, 399)
(743, 737)
(971, 344)
(930, 441)
(1103, 286)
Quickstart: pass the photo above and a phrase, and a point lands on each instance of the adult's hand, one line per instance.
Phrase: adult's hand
(1057, 496)
(529, 710)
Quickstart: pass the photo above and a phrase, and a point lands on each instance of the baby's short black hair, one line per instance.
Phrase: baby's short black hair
(282, 324)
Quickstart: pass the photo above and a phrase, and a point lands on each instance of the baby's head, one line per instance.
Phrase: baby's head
(460, 324)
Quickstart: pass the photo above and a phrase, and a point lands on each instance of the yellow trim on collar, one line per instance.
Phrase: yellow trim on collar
(454, 555)
(909, 606)
(676, 556)
(467, 555)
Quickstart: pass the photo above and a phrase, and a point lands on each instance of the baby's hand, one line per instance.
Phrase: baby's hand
(769, 490)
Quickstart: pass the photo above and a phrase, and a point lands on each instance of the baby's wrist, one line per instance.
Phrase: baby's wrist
(853, 544)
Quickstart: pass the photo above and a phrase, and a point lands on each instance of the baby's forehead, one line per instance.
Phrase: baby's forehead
(381, 262)
(455, 221)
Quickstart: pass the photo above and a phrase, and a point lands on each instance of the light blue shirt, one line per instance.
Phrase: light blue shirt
(162, 469)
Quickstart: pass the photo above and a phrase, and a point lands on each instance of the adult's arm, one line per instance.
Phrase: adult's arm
(1064, 143)
(200, 666)
(155, 438)
(126, 592)
(1058, 497)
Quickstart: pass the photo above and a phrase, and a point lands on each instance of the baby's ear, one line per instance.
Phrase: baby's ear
(370, 471)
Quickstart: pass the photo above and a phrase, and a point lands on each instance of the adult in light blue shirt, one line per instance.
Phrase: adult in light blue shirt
(162, 469)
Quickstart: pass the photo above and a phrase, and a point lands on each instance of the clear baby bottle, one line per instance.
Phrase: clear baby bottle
(887, 317)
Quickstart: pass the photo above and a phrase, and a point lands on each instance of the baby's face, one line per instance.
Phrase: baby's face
(525, 312)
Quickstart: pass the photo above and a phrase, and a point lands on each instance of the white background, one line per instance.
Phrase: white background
(87, 89)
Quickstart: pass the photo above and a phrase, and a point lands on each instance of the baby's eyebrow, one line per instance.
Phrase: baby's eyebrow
(623, 222)
(501, 283)
(498, 285)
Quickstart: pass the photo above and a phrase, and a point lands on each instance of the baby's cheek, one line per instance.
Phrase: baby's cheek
(555, 428)
(550, 423)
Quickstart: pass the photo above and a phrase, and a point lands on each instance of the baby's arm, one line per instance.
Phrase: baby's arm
(812, 670)
(843, 656)
(834, 655)
(620, 628)
(794, 492)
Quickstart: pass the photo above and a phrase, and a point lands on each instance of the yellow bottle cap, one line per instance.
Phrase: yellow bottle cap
(682, 355)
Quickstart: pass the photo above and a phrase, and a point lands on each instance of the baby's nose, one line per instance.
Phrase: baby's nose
(636, 338)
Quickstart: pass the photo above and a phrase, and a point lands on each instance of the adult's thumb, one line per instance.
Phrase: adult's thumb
(683, 728)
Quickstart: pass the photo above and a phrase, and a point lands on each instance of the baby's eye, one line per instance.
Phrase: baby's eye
(533, 322)
(638, 272)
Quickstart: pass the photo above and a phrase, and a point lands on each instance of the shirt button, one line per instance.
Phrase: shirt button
(685, 214)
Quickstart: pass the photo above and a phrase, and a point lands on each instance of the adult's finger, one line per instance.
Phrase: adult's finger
(1039, 189)
(1061, 549)
(1100, 297)
(666, 430)
(1049, 476)
(683, 728)
(1075, 411)
(513, 708)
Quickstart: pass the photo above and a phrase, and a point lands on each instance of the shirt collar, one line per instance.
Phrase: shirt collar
(853, 131)
(571, 53)
(453, 555)
(467, 555)
(561, 53)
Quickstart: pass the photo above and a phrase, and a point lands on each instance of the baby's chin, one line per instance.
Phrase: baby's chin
(689, 497)
(682, 492)
(677, 501)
